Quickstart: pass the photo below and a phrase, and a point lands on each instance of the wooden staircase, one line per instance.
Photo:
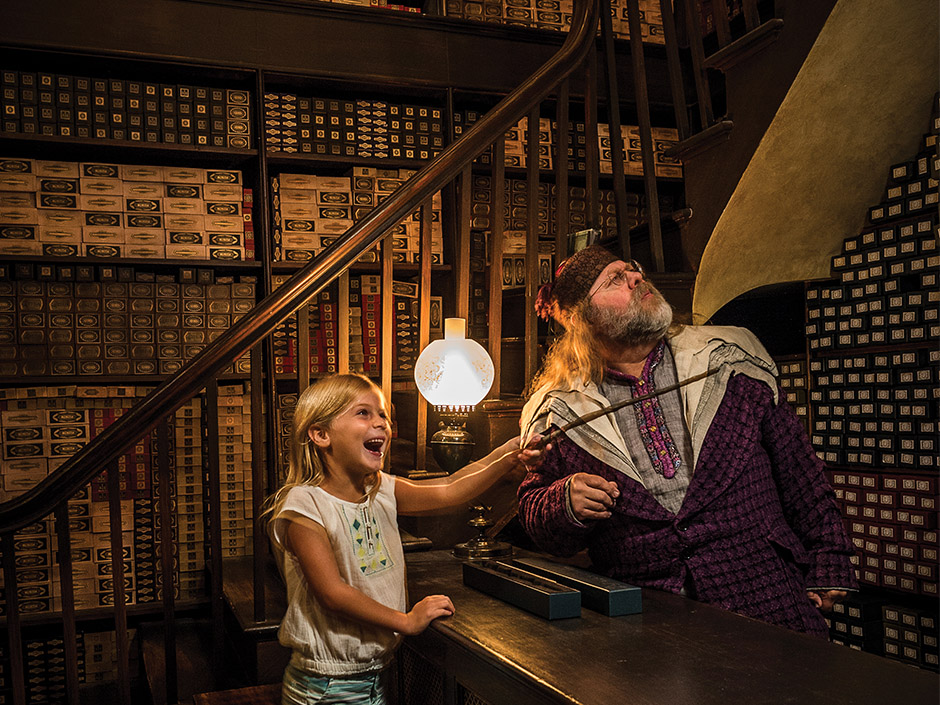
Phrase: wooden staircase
(194, 675)
(253, 656)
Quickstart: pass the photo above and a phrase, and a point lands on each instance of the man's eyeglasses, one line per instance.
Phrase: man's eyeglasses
(619, 278)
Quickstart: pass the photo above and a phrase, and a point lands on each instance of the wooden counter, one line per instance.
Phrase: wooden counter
(676, 652)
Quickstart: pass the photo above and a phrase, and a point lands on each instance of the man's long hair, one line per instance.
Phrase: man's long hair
(574, 357)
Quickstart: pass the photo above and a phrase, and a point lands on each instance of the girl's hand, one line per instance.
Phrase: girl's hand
(530, 456)
(423, 613)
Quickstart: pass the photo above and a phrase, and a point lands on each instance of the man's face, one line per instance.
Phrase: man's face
(626, 308)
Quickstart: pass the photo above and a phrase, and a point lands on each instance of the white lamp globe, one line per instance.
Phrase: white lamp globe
(454, 371)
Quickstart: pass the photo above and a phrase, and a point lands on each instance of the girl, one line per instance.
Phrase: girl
(335, 531)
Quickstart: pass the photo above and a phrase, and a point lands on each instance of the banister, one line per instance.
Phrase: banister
(82, 467)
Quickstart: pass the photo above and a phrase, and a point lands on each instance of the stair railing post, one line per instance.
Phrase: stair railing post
(646, 135)
(615, 135)
(164, 511)
(668, 12)
(259, 537)
(216, 598)
(14, 630)
(67, 585)
(117, 577)
(699, 72)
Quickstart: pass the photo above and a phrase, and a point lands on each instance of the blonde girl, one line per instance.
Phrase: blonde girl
(334, 528)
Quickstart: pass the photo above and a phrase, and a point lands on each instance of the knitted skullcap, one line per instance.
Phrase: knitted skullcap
(573, 280)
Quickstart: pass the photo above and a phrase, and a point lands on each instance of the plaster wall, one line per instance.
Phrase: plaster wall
(861, 102)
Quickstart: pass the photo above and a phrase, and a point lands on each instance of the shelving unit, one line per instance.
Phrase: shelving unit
(228, 109)
(873, 373)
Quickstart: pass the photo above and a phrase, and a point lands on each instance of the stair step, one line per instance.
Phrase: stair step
(238, 590)
(254, 695)
(193, 654)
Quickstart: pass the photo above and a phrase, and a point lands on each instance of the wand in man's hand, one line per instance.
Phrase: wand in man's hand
(545, 440)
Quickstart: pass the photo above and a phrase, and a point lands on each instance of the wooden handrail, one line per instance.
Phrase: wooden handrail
(82, 467)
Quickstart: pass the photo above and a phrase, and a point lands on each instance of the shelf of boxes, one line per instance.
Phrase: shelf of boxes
(516, 142)
(115, 109)
(41, 427)
(339, 128)
(117, 321)
(794, 380)
(874, 370)
(555, 15)
(45, 666)
(311, 212)
(83, 209)
(235, 452)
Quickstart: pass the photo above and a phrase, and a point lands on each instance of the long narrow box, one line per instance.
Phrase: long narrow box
(531, 592)
(599, 593)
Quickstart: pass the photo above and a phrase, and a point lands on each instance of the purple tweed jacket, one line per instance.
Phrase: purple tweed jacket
(758, 526)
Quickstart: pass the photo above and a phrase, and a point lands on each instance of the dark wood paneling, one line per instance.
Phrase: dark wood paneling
(315, 38)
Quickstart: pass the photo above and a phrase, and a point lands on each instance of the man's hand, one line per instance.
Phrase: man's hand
(825, 599)
(591, 496)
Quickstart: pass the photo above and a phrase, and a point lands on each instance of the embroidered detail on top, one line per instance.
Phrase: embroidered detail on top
(367, 543)
(662, 451)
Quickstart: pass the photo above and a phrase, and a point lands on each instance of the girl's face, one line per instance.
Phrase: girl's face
(358, 438)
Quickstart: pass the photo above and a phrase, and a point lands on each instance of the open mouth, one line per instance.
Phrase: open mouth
(375, 445)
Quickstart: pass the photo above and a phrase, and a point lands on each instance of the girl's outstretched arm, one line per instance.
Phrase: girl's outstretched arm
(310, 543)
(417, 496)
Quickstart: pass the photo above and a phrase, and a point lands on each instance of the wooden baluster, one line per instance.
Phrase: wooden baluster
(262, 214)
(14, 631)
(67, 589)
(697, 50)
(562, 140)
(388, 317)
(167, 542)
(342, 324)
(646, 136)
(259, 538)
(462, 250)
(117, 576)
(216, 599)
(721, 11)
(616, 138)
(303, 346)
(751, 15)
(674, 66)
(592, 156)
(497, 222)
(424, 327)
(531, 349)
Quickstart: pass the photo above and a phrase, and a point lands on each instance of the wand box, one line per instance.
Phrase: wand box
(599, 593)
(534, 593)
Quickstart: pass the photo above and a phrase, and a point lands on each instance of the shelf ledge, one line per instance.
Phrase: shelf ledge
(751, 43)
(702, 141)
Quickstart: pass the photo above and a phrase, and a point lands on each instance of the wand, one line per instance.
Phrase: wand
(619, 405)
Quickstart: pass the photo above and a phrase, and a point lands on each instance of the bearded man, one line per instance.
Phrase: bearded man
(712, 490)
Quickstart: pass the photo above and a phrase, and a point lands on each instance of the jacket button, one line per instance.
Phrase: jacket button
(683, 525)
(686, 554)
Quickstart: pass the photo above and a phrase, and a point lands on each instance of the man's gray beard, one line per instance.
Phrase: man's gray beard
(638, 324)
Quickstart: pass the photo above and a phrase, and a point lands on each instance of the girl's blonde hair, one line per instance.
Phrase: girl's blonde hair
(318, 406)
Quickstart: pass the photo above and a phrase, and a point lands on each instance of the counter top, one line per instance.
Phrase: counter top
(676, 652)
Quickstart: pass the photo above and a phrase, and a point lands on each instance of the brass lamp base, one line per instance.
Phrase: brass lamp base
(481, 547)
(452, 445)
